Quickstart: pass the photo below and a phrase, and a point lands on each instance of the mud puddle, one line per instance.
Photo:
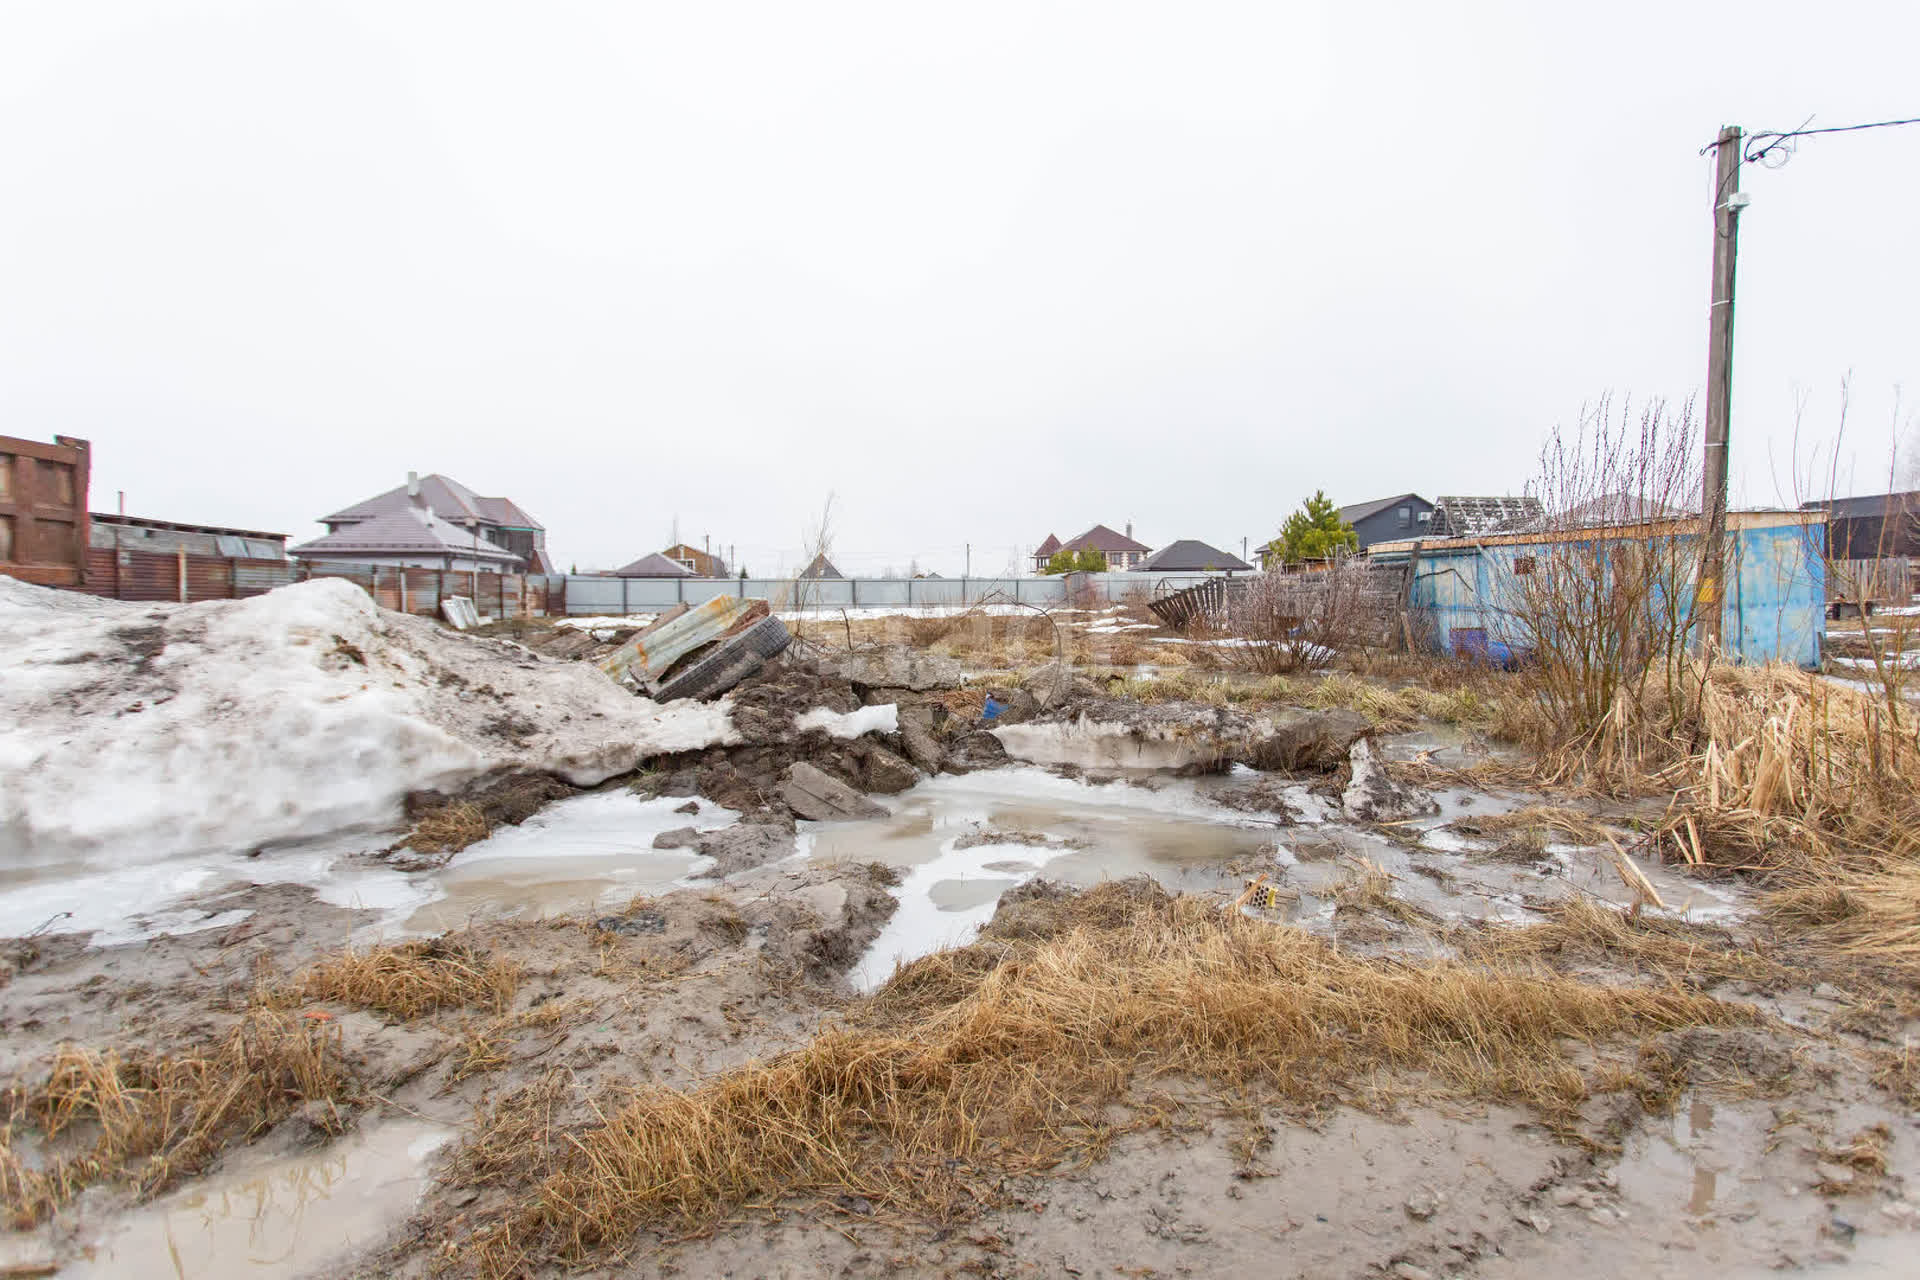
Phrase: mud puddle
(963, 841)
(263, 1218)
(586, 852)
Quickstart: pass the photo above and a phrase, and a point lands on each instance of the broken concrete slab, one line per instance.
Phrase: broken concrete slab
(815, 795)
(1300, 740)
(886, 773)
(1373, 796)
(922, 747)
(678, 838)
(975, 751)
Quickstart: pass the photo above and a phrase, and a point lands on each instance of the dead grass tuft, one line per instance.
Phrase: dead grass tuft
(449, 829)
(410, 979)
(1008, 1055)
(154, 1118)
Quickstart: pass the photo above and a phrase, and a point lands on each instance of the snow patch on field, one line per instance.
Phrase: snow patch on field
(849, 725)
(135, 732)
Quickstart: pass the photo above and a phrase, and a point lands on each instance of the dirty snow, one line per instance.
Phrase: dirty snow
(602, 622)
(135, 732)
(884, 718)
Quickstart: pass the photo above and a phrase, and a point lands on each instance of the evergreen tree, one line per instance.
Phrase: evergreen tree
(1316, 531)
(1064, 561)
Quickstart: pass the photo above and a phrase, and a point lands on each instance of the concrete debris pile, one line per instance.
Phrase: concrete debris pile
(699, 652)
(1057, 719)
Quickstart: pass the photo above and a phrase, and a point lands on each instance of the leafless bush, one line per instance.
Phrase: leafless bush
(1284, 622)
(1604, 603)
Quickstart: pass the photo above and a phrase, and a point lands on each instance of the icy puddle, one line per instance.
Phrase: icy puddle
(259, 1219)
(963, 841)
(587, 852)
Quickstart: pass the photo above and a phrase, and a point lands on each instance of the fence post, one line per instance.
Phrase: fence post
(181, 564)
(625, 608)
(853, 585)
(403, 588)
(909, 593)
(680, 590)
(442, 592)
(233, 578)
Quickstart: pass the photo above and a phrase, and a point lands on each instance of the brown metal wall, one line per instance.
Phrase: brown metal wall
(43, 510)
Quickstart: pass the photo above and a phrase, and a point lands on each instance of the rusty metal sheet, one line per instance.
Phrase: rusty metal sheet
(646, 657)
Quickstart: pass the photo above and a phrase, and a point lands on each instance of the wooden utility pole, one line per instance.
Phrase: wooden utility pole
(1727, 203)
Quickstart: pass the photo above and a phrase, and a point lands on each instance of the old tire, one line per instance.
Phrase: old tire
(731, 661)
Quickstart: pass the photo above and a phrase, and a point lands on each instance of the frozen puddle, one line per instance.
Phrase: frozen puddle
(261, 1218)
(963, 841)
(587, 851)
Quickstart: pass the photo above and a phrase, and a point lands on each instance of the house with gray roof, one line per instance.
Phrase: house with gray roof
(1122, 552)
(412, 538)
(1190, 555)
(652, 566)
(1404, 515)
(499, 522)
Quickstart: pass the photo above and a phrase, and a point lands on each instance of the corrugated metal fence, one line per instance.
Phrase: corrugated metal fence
(590, 595)
(178, 577)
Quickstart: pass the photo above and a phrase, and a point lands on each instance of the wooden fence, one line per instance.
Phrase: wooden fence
(1888, 581)
(178, 577)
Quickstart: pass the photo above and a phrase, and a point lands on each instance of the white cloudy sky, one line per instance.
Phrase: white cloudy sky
(983, 271)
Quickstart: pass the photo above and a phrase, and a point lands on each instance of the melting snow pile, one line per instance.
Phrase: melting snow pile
(134, 732)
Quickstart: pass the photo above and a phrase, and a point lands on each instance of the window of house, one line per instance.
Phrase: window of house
(1406, 517)
(6, 535)
(6, 474)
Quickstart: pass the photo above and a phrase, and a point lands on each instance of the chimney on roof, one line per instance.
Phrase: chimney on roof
(1129, 529)
(413, 485)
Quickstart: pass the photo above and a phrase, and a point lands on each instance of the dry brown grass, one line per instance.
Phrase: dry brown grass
(152, 1118)
(409, 979)
(449, 829)
(1009, 1054)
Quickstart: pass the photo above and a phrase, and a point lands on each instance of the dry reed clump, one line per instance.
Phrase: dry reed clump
(448, 829)
(152, 1118)
(926, 632)
(410, 979)
(1007, 1056)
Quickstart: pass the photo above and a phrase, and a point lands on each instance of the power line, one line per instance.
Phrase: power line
(1766, 141)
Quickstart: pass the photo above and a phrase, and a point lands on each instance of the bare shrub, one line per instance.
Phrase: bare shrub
(1604, 604)
(1277, 623)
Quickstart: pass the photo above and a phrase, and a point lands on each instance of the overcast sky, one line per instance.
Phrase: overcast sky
(983, 271)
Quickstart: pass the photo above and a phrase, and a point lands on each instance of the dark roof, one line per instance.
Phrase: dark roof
(174, 526)
(653, 566)
(1864, 507)
(820, 568)
(1190, 555)
(1047, 548)
(1459, 516)
(413, 531)
(1101, 538)
(1361, 510)
(447, 497)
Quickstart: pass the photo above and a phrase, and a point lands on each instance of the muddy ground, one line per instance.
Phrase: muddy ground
(1786, 1143)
